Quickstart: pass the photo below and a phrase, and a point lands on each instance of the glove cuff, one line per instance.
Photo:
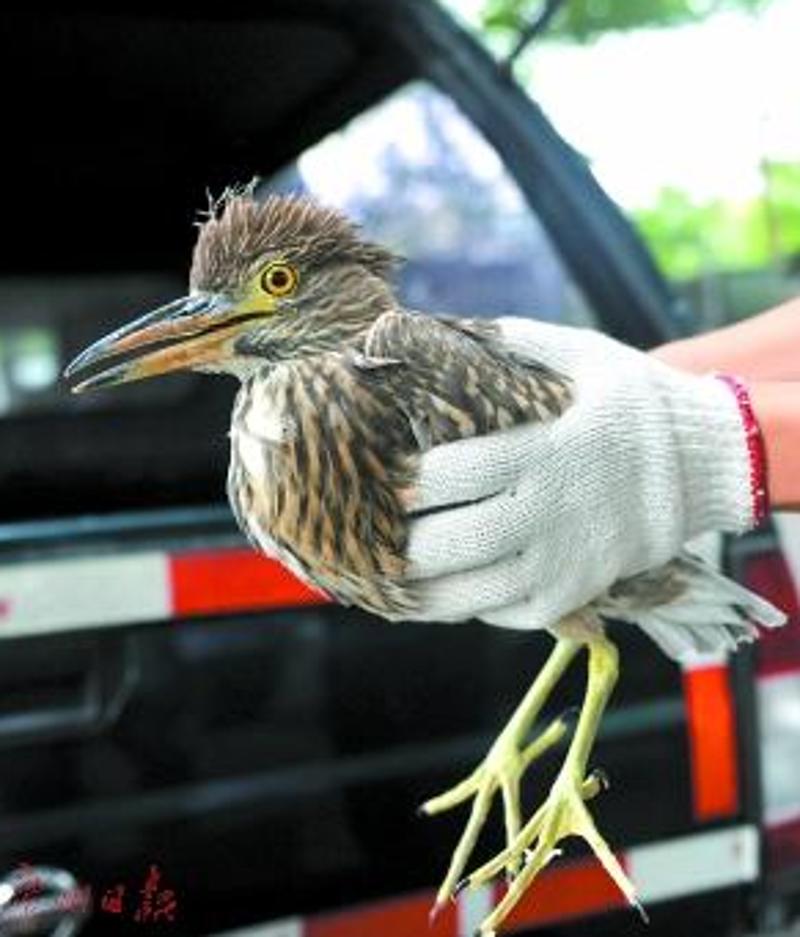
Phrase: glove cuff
(757, 451)
(721, 456)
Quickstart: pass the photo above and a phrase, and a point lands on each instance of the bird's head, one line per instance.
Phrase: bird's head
(270, 280)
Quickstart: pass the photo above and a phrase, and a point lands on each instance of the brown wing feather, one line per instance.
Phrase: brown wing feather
(454, 378)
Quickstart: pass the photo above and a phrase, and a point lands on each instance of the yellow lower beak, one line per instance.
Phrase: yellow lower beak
(191, 332)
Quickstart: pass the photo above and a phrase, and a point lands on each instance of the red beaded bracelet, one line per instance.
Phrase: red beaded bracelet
(755, 448)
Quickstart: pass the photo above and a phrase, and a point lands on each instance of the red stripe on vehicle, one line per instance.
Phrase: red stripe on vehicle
(204, 583)
(783, 845)
(778, 651)
(661, 871)
(712, 741)
(566, 891)
(402, 917)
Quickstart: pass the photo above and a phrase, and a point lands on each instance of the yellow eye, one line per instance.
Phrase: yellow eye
(279, 279)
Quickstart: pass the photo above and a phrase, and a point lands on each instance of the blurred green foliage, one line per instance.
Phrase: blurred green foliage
(584, 20)
(750, 248)
(689, 238)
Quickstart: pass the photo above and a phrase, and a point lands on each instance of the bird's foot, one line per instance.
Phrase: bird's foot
(563, 814)
(502, 770)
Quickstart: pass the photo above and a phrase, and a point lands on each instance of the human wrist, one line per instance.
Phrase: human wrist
(692, 355)
(777, 409)
(760, 348)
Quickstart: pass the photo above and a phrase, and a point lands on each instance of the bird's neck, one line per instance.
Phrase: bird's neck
(334, 330)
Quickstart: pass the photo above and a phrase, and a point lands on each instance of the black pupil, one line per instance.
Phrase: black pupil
(279, 279)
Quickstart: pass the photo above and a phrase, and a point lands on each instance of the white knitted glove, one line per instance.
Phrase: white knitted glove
(541, 519)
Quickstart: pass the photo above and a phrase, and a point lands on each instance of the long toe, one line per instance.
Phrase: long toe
(563, 814)
(520, 849)
(502, 770)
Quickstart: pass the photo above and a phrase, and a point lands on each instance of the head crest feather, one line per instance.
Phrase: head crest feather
(237, 229)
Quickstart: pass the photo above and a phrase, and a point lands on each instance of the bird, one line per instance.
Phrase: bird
(342, 389)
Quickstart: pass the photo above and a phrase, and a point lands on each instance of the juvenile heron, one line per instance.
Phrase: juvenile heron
(341, 390)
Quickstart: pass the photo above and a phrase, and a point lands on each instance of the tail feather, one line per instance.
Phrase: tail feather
(688, 607)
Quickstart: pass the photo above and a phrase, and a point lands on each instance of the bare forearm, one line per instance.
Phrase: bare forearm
(765, 351)
(763, 348)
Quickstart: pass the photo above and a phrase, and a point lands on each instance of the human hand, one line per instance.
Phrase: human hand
(534, 522)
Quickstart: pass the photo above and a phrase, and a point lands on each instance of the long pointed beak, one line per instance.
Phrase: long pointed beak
(190, 331)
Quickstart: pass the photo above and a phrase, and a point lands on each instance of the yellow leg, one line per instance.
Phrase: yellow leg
(564, 813)
(503, 768)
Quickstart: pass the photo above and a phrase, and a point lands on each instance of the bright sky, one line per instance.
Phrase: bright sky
(696, 107)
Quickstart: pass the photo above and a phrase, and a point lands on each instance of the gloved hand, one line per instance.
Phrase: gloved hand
(541, 519)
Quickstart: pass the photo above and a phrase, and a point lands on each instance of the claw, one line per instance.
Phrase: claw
(434, 912)
(460, 886)
(638, 906)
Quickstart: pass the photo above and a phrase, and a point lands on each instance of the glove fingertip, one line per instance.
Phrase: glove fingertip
(448, 477)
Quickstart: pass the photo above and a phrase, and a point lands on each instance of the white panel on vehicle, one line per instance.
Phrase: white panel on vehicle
(779, 721)
(39, 597)
(691, 864)
(473, 907)
(288, 927)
